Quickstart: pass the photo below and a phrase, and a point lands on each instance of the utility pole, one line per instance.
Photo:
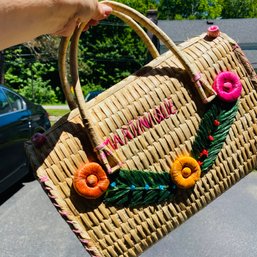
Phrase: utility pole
(153, 16)
(1, 67)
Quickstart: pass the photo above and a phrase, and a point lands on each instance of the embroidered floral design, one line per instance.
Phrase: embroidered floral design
(185, 171)
(227, 86)
(213, 31)
(90, 181)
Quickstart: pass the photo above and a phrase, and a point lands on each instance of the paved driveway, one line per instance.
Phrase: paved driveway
(30, 226)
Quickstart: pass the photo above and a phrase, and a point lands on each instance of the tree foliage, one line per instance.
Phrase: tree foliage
(107, 59)
(189, 9)
(239, 9)
(142, 6)
(29, 73)
(111, 51)
(207, 9)
(108, 53)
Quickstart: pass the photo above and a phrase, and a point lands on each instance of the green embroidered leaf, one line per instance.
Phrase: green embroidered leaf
(224, 113)
(134, 188)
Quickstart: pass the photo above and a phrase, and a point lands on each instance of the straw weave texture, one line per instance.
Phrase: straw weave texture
(111, 231)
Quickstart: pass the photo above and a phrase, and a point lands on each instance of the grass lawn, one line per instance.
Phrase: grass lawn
(55, 114)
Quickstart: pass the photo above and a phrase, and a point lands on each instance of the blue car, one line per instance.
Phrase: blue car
(93, 94)
(19, 120)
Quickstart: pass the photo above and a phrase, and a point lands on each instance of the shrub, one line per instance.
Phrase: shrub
(38, 91)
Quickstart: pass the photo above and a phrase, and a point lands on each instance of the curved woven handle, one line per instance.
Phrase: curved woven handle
(65, 44)
(205, 91)
(108, 158)
(129, 15)
(62, 56)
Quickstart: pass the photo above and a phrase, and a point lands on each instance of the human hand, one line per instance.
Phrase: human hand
(21, 21)
(91, 16)
(103, 11)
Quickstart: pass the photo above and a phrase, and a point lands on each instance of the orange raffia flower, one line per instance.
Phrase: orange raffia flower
(90, 181)
(185, 171)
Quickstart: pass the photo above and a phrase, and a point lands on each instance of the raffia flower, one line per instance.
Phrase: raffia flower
(90, 181)
(38, 139)
(227, 86)
(185, 171)
(213, 31)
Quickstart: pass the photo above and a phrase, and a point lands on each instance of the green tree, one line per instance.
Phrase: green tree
(207, 9)
(239, 9)
(28, 75)
(193, 9)
(141, 6)
(210, 9)
(38, 91)
(111, 51)
(105, 60)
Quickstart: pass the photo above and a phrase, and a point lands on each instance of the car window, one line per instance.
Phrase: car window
(15, 101)
(5, 107)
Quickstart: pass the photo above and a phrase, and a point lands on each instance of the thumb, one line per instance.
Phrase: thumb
(102, 12)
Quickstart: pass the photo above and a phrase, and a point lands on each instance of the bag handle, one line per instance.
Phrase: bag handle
(106, 155)
(128, 14)
(205, 90)
(64, 44)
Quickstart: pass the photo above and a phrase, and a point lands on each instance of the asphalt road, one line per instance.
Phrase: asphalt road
(227, 227)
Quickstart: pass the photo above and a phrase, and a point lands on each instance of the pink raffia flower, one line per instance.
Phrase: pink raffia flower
(227, 86)
(213, 31)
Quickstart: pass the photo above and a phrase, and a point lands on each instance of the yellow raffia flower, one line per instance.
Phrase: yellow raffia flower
(185, 171)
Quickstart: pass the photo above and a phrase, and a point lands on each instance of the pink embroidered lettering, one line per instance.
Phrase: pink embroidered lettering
(136, 127)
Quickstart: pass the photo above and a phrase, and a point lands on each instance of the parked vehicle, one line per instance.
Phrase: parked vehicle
(19, 120)
(93, 94)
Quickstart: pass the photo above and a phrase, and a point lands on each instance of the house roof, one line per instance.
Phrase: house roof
(241, 30)
(244, 31)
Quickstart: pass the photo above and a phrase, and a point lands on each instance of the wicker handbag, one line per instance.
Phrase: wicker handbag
(170, 138)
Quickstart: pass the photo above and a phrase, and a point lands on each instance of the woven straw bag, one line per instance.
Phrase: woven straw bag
(149, 124)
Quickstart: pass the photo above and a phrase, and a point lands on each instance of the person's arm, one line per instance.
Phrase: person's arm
(23, 20)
